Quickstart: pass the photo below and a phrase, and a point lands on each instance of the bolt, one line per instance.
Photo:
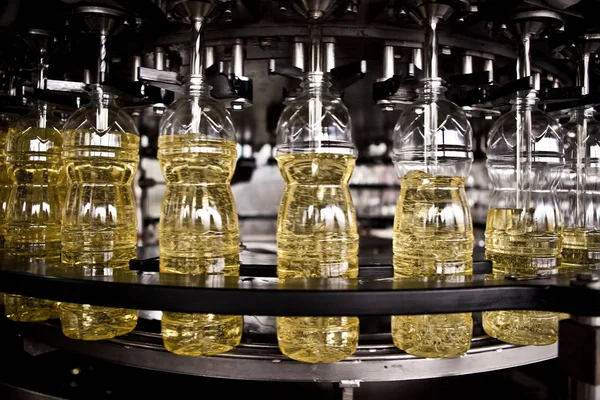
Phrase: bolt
(587, 277)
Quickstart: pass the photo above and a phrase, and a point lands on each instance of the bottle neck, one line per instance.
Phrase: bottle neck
(316, 83)
(197, 87)
(525, 100)
(42, 110)
(100, 96)
(433, 89)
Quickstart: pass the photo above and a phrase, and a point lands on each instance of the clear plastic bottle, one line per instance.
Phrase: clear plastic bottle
(6, 182)
(316, 230)
(433, 231)
(99, 233)
(523, 229)
(33, 212)
(198, 231)
(579, 189)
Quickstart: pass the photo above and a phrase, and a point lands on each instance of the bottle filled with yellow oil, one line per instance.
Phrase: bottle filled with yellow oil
(198, 232)
(99, 233)
(33, 213)
(316, 230)
(6, 182)
(579, 188)
(433, 230)
(523, 230)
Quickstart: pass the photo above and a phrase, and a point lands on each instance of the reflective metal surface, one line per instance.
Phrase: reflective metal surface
(260, 361)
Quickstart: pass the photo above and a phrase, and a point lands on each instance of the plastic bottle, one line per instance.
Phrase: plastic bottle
(99, 234)
(523, 229)
(316, 230)
(433, 232)
(198, 231)
(5, 181)
(33, 212)
(579, 188)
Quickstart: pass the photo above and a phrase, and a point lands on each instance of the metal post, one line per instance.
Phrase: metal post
(159, 58)
(299, 54)
(537, 81)
(488, 65)
(316, 63)
(347, 388)
(430, 56)
(388, 62)
(196, 56)
(417, 59)
(329, 56)
(102, 55)
(237, 58)
(467, 64)
(523, 59)
(209, 56)
(137, 63)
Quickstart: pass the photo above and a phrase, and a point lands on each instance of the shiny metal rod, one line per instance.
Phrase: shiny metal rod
(298, 55)
(329, 61)
(137, 63)
(196, 56)
(430, 47)
(467, 64)
(585, 74)
(316, 61)
(209, 56)
(388, 62)
(237, 58)
(42, 70)
(523, 57)
(488, 65)
(159, 58)
(102, 55)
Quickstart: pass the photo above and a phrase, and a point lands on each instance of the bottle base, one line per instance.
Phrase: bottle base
(433, 336)
(318, 339)
(528, 328)
(200, 334)
(85, 322)
(29, 309)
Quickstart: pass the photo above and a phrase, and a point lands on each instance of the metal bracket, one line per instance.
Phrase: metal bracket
(347, 75)
(289, 71)
(347, 388)
(503, 91)
(238, 89)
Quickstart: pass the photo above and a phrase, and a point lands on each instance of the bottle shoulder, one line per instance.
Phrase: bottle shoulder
(197, 115)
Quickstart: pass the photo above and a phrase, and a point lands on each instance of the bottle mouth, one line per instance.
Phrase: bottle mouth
(431, 85)
(315, 79)
(528, 97)
(198, 82)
